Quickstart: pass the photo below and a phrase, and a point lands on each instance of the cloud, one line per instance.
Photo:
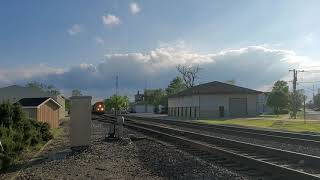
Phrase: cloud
(75, 29)
(308, 38)
(25, 74)
(110, 19)
(99, 41)
(253, 66)
(134, 8)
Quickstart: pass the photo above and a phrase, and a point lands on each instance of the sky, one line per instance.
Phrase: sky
(81, 44)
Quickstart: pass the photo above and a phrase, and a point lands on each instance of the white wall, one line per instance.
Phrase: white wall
(142, 108)
(209, 104)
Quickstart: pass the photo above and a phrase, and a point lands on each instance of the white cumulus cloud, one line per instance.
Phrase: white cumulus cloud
(75, 29)
(253, 66)
(134, 8)
(111, 19)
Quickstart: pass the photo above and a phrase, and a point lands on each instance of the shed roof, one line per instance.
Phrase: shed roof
(215, 87)
(35, 102)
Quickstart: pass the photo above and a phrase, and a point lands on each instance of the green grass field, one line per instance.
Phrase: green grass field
(271, 122)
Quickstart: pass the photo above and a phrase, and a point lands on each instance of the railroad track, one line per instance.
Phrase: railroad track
(272, 135)
(243, 156)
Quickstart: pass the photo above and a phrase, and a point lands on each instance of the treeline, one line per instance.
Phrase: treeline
(18, 133)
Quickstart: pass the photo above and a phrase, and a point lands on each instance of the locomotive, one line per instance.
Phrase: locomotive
(98, 108)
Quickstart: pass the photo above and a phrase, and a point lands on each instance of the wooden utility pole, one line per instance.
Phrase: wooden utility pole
(304, 109)
(294, 87)
(117, 86)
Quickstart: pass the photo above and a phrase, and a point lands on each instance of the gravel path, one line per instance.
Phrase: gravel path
(280, 145)
(142, 159)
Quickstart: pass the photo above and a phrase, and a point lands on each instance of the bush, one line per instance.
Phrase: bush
(18, 133)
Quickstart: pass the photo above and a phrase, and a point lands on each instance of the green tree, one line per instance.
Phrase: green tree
(67, 104)
(278, 99)
(175, 86)
(43, 87)
(156, 97)
(231, 81)
(117, 102)
(296, 98)
(76, 92)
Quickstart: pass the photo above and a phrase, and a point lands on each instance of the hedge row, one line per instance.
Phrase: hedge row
(18, 133)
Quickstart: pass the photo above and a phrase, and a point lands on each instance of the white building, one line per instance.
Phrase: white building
(214, 100)
(142, 107)
(15, 93)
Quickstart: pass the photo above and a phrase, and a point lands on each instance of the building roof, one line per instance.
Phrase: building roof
(35, 102)
(215, 87)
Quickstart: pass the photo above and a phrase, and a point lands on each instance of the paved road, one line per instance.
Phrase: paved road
(311, 114)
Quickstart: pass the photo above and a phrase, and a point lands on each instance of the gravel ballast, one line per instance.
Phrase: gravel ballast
(143, 158)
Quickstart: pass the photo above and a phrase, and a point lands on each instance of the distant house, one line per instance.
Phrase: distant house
(214, 100)
(42, 109)
(15, 93)
(140, 106)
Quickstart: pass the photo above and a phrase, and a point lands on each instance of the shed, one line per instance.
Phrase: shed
(15, 93)
(42, 109)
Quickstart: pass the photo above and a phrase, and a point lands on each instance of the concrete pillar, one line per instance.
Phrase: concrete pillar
(80, 120)
(119, 130)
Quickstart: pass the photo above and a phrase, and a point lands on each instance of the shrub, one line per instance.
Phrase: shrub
(45, 132)
(18, 133)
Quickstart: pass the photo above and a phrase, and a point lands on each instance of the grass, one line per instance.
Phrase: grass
(271, 123)
(55, 132)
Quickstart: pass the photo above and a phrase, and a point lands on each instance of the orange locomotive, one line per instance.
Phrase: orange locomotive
(98, 108)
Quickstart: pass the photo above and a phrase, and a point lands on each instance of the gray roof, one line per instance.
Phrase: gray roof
(36, 102)
(215, 87)
(32, 101)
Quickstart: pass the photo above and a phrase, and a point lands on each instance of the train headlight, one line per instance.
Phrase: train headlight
(102, 109)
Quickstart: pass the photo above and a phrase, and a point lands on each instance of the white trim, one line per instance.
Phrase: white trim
(49, 100)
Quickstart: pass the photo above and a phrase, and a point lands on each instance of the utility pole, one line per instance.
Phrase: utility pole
(304, 109)
(117, 86)
(313, 93)
(294, 87)
(116, 108)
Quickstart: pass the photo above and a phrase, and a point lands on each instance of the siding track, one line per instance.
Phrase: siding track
(255, 159)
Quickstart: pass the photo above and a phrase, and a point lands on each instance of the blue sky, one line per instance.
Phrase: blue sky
(64, 37)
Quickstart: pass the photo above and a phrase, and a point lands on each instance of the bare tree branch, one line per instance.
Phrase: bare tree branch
(189, 74)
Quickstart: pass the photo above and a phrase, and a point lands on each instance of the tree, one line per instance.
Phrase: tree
(76, 92)
(156, 97)
(189, 74)
(231, 81)
(278, 99)
(117, 102)
(67, 104)
(175, 86)
(43, 87)
(316, 100)
(295, 102)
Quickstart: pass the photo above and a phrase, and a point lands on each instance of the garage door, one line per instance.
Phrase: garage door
(238, 107)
